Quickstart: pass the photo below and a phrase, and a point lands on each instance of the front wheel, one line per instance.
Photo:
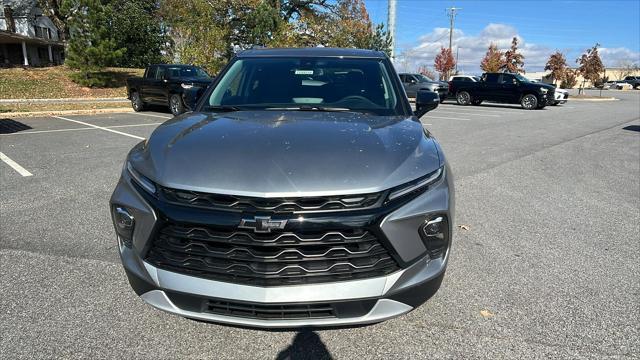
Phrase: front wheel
(175, 105)
(463, 98)
(136, 102)
(529, 102)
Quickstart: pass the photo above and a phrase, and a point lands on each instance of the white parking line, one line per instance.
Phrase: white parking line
(100, 127)
(482, 109)
(22, 171)
(154, 115)
(75, 129)
(446, 118)
(464, 113)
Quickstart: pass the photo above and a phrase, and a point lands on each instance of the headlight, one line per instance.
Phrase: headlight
(416, 185)
(543, 90)
(186, 86)
(141, 179)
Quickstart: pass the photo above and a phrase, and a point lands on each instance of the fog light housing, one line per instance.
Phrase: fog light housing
(435, 235)
(124, 224)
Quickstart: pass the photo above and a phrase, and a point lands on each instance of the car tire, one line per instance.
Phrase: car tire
(529, 102)
(463, 98)
(136, 102)
(476, 102)
(176, 105)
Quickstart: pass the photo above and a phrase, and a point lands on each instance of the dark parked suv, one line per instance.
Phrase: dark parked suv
(302, 190)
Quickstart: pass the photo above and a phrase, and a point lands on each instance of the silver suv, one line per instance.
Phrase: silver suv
(302, 190)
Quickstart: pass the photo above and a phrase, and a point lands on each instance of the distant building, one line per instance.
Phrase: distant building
(611, 73)
(27, 37)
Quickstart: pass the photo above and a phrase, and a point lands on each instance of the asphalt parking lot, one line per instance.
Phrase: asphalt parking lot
(545, 266)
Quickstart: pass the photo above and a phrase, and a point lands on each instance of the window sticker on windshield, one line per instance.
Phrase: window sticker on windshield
(304, 72)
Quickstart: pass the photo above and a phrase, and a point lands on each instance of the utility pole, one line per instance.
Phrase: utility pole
(457, 51)
(391, 23)
(452, 12)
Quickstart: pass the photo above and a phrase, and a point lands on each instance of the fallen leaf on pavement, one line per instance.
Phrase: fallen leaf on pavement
(486, 314)
(464, 227)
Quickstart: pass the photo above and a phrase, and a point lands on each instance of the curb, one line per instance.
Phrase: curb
(65, 112)
(62, 100)
(602, 99)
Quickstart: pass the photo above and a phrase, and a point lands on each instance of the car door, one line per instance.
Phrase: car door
(508, 89)
(490, 87)
(146, 85)
(161, 87)
(410, 85)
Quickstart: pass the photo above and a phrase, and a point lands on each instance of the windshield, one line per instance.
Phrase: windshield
(423, 78)
(187, 72)
(281, 83)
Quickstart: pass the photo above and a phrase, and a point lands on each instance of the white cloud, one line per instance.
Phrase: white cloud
(617, 56)
(473, 47)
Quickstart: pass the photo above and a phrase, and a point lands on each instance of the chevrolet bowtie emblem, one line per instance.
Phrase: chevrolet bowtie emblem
(262, 224)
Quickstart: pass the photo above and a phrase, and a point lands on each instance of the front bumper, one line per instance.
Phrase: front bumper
(378, 298)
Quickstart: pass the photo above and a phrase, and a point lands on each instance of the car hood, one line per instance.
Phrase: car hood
(286, 153)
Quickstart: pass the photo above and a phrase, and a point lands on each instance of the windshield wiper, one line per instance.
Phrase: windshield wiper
(309, 108)
(222, 108)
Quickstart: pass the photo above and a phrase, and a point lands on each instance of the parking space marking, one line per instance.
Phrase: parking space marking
(100, 127)
(75, 129)
(447, 118)
(154, 115)
(482, 109)
(22, 171)
(464, 113)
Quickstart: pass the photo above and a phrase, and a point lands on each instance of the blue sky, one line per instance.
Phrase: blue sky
(542, 27)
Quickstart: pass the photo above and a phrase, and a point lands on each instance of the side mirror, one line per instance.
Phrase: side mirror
(426, 101)
(191, 96)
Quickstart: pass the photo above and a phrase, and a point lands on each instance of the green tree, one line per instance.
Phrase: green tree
(91, 46)
(136, 27)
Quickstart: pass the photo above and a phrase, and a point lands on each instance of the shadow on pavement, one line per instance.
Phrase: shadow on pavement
(10, 126)
(632, 128)
(306, 345)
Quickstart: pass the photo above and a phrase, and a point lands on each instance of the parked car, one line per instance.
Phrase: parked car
(414, 82)
(164, 85)
(301, 191)
(634, 81)
(456, 80)
(506, 88)
(560, 95)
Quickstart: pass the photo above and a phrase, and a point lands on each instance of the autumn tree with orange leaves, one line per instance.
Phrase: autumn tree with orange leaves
(493, 60)
(444, 62)
(513, 60)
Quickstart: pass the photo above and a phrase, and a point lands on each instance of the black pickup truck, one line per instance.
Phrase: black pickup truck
(505, 88)
(164, 85)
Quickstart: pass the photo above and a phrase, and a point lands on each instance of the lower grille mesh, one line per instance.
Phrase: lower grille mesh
(270, 259)
(302, 311)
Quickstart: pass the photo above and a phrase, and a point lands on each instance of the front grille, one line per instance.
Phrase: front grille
(278, 205)
(260, 311)
(276, 259)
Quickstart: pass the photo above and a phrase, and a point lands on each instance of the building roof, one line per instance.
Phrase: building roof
(312, 52)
